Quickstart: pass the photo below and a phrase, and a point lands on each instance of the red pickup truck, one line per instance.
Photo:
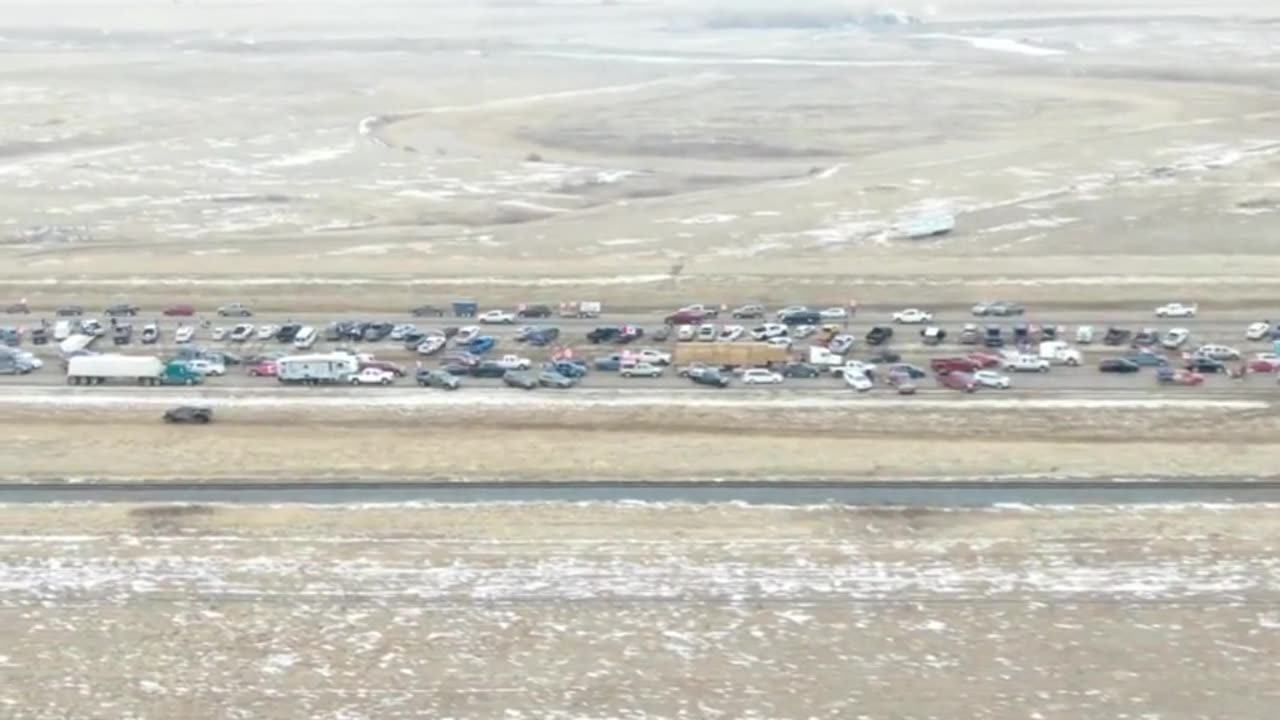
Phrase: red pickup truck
(942, 366)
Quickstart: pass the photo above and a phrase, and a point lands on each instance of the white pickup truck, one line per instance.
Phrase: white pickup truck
(514, 362)
(854, 367)
(497, 317)
(1026, 363)
(1177, 310)
(652, 355)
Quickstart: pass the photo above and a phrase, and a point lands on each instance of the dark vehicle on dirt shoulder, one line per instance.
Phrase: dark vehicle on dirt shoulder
(521, 380)
(438, 379)
(180, 310)
(800, 370)
(194, 414)
(1118, 365)
(958, 381)
(121, 310)
(879, 335)
(70, 311)
(710, 377)
(427, 311)
(18, 308)
(747, 312)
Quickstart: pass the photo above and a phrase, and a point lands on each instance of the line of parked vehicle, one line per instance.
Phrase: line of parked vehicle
(764, 354)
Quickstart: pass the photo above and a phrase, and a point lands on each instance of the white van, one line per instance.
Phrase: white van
(306, 338)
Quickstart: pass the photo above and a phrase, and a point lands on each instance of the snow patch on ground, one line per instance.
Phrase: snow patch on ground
(1004, 45)
(665, 59)
(704, 219)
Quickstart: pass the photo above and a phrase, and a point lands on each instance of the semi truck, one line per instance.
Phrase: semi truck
(139, 369)
(325, 368)
(730, 354)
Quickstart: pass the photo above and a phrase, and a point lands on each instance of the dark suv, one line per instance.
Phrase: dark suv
(121, 309)
(708, 376)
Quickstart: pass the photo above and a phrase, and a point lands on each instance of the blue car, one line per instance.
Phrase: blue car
(1148, 360)
(567, 368)
(481, 345)
(544, 337)
(608, 363)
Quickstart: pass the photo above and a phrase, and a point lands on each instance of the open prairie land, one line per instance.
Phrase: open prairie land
(584, 149)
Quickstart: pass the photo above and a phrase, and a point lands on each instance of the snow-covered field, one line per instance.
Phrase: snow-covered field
(654, 612)
(540, 129)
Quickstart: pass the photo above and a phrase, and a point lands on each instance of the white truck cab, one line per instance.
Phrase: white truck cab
(1058, 352)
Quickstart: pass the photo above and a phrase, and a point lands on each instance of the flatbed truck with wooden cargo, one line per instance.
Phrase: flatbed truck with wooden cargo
(731, 355)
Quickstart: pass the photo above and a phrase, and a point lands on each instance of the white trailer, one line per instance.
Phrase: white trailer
(317, 369)
(75, 343)
(98, 369)
(581, 309)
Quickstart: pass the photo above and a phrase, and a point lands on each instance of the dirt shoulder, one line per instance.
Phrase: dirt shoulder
(640, 443)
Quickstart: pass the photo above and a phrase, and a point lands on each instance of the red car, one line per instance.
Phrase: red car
(958, 381)
(385, 366)
(180, 311)
(266, 368)
(685, 317)
(986, 361)
(1264, 365)
(1169, 376)
(943, 366)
